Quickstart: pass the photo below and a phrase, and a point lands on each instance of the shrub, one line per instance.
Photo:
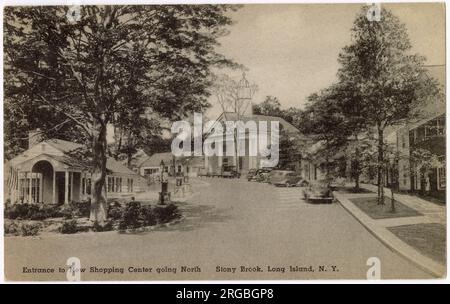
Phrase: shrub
(115, 211)
(82, 209)
(69, 227)
(148, 217)
(30, 229)
(165, 214)
(130, 216)
(16, 211)
(12, 228)
(99, 228)
(66, 212)
(31, 211)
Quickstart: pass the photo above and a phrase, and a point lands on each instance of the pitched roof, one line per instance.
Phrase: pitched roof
(67, 146)
(63, 145)
(155, 159)
(138, 159)
(232, 116)
(114, 166)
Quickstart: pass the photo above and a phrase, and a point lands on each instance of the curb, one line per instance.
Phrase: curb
(391, 241)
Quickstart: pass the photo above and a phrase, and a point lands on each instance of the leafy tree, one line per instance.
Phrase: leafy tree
(133, 131)
(270, 106)
(389, 81)
(323, 120)
(425, 161)
(85, 70)
(289, 150)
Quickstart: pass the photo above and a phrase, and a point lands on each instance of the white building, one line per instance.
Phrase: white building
(47, 173)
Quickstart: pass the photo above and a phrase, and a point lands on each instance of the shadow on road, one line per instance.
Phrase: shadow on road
(194, 217)
(198, 216)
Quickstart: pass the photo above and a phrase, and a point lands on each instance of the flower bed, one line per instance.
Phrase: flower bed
(30, 220)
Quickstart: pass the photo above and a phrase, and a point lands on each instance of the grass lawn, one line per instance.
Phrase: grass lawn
(428, 239)
(352, 190)
(371, 208)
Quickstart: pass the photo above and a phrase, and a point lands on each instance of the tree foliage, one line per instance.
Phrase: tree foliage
(111, 60)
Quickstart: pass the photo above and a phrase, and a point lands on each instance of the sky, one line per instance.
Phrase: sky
(291, 50)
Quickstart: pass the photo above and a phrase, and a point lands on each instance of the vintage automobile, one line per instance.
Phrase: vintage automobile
(230, 172)
(319, 192)
(262, 175)
(277, 176)
(289, 179)
(250, 174)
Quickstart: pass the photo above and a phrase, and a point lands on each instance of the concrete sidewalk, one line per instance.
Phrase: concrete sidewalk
(431, 213)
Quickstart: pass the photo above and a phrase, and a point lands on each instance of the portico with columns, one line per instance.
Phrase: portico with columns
(47, 173)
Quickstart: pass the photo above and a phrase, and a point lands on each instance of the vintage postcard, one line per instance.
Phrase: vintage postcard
(224, 142)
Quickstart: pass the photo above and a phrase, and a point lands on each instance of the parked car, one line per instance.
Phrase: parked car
(290, 179)
(250, 174)
(230, 172)
(262, 175)
(319, 192)
(338, 182)
(278, 175)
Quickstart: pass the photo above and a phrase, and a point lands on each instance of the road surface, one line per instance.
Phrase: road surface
(233, 229)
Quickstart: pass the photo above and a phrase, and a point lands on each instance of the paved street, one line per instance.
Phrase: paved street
(237, 224)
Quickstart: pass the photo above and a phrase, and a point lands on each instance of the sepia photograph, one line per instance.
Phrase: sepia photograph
(250, 141)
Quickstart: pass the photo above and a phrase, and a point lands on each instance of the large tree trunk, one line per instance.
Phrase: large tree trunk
(98, 204)
(357, 185)
(357, 165)
(380, 167)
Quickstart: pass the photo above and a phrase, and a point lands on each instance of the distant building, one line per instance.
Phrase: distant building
(157, 162)
(137, 160)
(153, 166)
(214, 164)
(47, 173)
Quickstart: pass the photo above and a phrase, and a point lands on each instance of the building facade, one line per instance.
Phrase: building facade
(214, 164)
(46, 173)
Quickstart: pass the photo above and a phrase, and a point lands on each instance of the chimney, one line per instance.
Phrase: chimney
(34, 137)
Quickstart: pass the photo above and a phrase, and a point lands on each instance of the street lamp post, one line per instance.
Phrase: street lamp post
(164, 183)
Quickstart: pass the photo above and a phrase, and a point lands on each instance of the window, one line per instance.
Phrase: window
(441, 125)
(88, 186)
(403, 142)
(441, 174)
(110, 184)
(130, 184)
(118, 184)
(30, 185)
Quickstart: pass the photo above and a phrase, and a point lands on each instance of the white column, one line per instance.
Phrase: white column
(206, 164)
(219, 162)
(29, 189)
(41, 190)
(81, 186)
(71, 186)
(19, 187)
(66, 188)
(54, 187)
